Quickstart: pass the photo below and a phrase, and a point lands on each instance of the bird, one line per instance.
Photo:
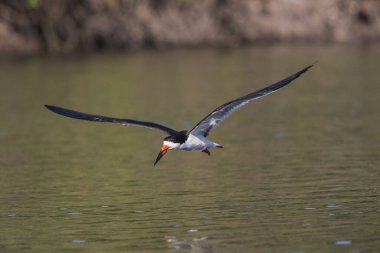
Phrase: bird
(196, 138)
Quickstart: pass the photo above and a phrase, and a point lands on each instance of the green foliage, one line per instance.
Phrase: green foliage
(33, 4)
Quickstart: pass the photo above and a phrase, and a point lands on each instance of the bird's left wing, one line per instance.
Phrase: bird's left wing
(98, 118)
(216, 117)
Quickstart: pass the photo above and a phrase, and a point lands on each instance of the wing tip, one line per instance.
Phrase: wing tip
(60, 110)
(296, 75)
(308, 67)
(311, 65)
(52, 108)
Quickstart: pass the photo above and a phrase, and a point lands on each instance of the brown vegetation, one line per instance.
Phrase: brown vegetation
(57, 26)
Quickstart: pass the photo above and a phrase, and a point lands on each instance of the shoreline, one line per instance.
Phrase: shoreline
(57, 27)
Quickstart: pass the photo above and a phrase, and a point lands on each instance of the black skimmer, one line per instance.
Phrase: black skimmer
(196, 138)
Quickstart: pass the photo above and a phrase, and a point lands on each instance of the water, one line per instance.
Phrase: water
(299, 171)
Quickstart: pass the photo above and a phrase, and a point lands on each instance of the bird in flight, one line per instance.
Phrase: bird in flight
(196, 138)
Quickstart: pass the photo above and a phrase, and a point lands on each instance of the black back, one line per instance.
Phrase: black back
(179, 137)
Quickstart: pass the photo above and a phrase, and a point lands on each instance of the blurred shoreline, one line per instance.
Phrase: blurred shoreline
(59, 27)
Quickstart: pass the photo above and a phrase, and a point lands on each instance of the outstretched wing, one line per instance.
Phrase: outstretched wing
(216, 117)
(91, 117)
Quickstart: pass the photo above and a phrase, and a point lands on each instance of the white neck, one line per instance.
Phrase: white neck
(171, 145)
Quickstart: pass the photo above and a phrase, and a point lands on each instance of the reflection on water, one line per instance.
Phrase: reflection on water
(299, 171)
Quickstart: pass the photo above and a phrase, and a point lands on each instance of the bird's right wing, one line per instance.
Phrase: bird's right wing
(98, 118)
(216, 117)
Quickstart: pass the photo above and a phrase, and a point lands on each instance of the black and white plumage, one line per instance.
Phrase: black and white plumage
(195, 139)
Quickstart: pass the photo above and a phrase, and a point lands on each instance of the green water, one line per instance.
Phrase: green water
(299, 172)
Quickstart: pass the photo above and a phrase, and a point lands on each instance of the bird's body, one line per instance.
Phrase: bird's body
(196, 138)
(192, 142)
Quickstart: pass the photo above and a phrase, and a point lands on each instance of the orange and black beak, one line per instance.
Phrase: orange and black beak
(162, 152)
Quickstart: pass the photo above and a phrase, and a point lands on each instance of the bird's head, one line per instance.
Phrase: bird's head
(171, 142)
(168, 143)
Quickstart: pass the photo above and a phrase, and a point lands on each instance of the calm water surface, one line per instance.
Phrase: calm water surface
(300, 171)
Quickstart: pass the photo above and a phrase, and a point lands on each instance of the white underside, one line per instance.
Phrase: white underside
(192, 143)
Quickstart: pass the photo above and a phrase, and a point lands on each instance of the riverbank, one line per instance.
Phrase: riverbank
(34, 26)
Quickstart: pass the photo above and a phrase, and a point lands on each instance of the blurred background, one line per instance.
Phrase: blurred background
(32, 26)
(299, 171)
